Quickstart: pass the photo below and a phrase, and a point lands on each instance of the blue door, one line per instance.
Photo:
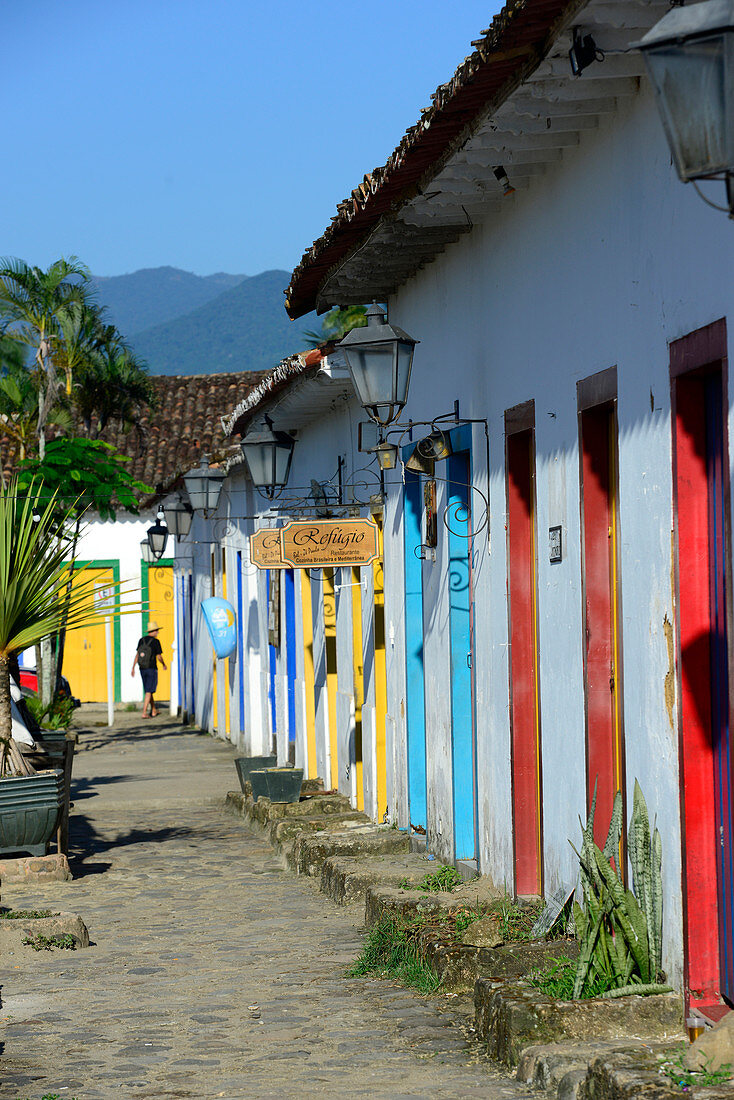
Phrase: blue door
(458, 520)
(415, 700)
(290, 643)
(272, 664)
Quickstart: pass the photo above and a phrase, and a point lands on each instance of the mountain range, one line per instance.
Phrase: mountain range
(181, 323)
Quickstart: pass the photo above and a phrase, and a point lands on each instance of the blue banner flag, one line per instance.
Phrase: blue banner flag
(221, 622)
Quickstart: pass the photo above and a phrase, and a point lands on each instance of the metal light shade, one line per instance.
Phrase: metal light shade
(380, 358)
(689, 56)
(178, 517)
(146, 552)
(204, 485)
(429, 450)
(157, 539)
(268, 455)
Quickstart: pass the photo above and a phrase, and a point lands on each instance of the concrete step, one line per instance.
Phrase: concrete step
(362, 840)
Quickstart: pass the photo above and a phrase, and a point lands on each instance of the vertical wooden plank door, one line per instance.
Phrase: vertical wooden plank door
(702, 522)
(524, 696)
(358, 674)
(604, 748)
(85, 660)
(414, 672)
(380, 672)
(158, 605)
(290, 641)
(460, 634)
(331, 673)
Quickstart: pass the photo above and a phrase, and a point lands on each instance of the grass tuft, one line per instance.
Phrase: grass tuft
(446, 878)
(25, 914)
(557, 980)
(64, 941)
(391, 951)
(684, 1078)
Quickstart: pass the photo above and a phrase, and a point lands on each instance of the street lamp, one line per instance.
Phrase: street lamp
(268, 456)
(146, 552)
(689, 56)
(158, 536)
(380, 357)
(204, 484)
(178, 517)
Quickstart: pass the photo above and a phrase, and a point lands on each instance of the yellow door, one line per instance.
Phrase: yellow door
(158, 605)
(85, 657)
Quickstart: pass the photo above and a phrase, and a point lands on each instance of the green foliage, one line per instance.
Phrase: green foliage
(558, 980)
(25, 914)
(678, 1072)
(56, 716)
(337, 323)
(391, 951)
(620, 931)
(445, 878)
(53, 1096)
(80, 475)
(464, 917)
(515, 921)
(63, 941)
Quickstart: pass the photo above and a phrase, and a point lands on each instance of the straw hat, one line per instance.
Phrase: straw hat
(152, 625)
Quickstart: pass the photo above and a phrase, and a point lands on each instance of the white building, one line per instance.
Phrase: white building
(572, 624)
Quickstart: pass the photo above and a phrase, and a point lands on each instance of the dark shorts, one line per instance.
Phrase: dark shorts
(150, 679)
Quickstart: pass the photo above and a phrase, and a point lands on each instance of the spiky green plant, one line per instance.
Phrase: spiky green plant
(620, 930)
(35, 540)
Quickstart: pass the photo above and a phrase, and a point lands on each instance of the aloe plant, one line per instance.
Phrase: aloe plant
(620, 930)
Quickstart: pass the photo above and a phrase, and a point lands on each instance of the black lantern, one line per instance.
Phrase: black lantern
(380, 357)
(204, 484)
(268, 455)
(158, 536)
(146, 552)
(689, 56)
(178, 517)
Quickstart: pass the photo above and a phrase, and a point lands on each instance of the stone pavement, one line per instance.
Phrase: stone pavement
(213, 972)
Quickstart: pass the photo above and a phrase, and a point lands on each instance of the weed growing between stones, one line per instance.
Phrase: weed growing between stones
(391, 951)
(515, 921)
(684, 1078)
(26, 914)
(51, 1096)
(446, 878)
(64, 941)
(557, 980)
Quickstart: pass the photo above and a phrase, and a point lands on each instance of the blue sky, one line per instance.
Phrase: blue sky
(213, 136)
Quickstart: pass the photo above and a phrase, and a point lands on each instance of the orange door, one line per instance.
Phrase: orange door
(85, 655)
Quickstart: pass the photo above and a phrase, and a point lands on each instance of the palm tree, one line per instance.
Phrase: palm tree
(337, 323)
(30, 302)
(34, 565)
(112, 384)
(19, 407)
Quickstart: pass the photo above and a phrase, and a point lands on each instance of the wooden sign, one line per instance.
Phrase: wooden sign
(328, 542)
(265, 549)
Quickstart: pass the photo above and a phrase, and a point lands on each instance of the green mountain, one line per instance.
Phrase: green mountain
(154, 295)
(245, 328)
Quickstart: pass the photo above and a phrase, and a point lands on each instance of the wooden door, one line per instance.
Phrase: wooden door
(85, 657)
(158, 605)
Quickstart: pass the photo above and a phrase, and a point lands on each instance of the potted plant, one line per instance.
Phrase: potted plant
(35, 541)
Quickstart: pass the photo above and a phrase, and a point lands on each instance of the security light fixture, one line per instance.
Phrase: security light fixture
(501, 177)
(146, 552)
(204, 484)
(689, 55)
(268, 455)
(178, 517)
(380, 357)
(158, 536)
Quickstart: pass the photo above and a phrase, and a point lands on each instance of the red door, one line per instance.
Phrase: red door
(604, 748)
(524, 702)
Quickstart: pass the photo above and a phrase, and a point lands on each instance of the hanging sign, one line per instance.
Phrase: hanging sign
(220, 619)
(328, 542)
(265, 549)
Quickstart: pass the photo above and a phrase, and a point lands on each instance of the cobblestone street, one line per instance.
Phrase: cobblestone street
(213, 972)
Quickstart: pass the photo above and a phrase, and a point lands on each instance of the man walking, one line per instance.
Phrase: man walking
(149, 652)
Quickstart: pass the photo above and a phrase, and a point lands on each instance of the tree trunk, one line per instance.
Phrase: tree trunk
(46, 680)
(61, 637)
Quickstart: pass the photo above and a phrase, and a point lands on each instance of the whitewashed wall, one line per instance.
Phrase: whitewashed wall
(603, 262)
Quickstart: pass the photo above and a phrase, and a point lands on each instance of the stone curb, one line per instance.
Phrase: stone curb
(35, 869)
(13, 931)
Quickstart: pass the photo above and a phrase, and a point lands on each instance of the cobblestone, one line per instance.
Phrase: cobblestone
(212, 973)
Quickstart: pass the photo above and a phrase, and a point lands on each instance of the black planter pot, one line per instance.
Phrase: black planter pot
(247, 764)
(30, 808)
(284, 784)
